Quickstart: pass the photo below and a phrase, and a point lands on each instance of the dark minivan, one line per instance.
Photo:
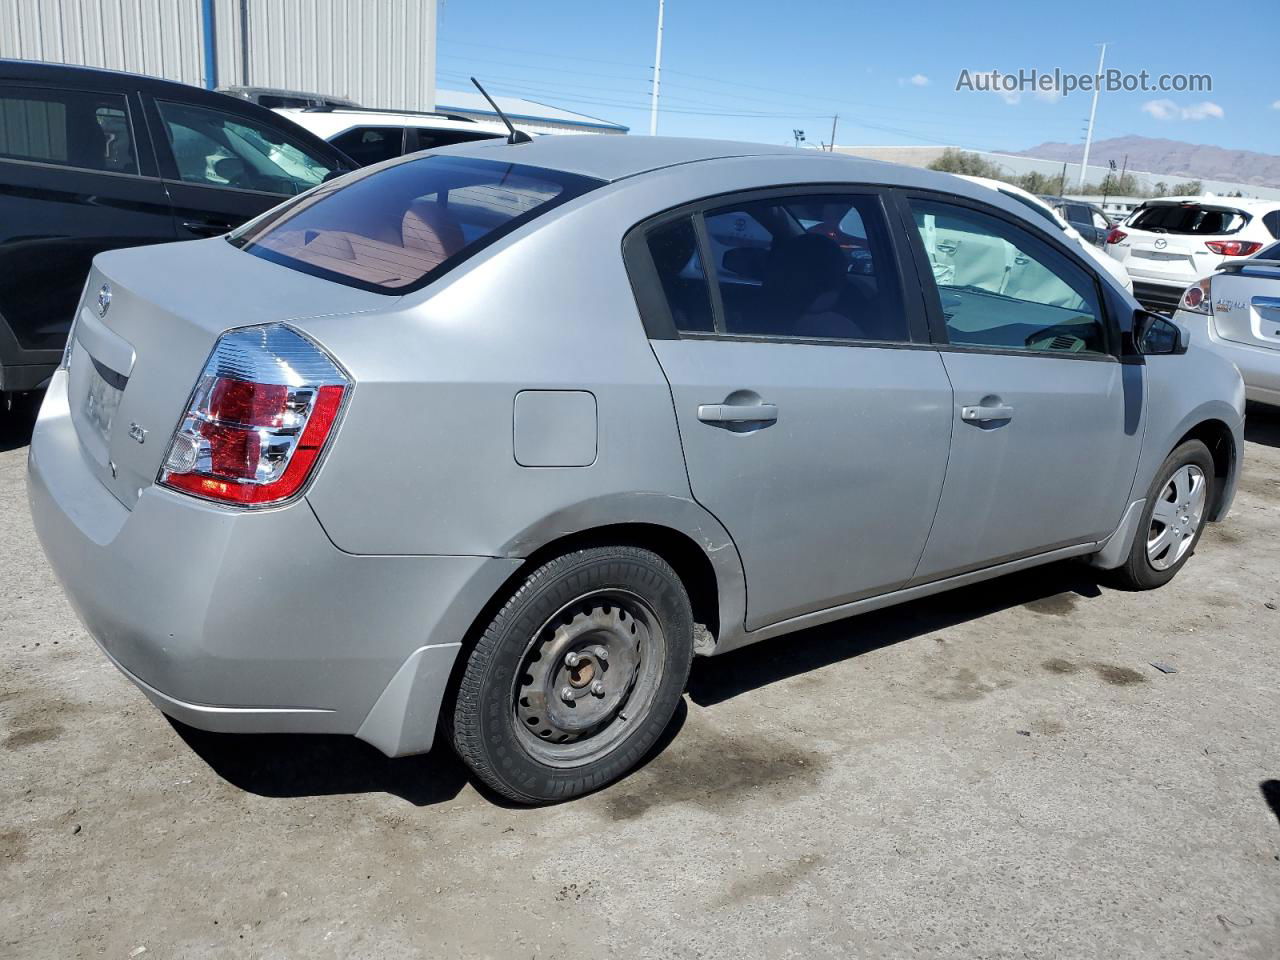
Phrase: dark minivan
(93, 159)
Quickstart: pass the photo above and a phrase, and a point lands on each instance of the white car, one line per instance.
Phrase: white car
(1170, 243)
(371, 136)
(1026, 198)
(1236, 312)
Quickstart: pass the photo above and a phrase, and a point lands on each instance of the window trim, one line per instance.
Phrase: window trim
(655, 312)
(130, 119)
(933, 300)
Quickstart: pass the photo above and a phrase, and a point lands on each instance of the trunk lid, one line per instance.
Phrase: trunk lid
(147, 324)
(1246, 304)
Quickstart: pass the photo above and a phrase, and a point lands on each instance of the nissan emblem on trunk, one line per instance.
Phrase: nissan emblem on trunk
(104, 299)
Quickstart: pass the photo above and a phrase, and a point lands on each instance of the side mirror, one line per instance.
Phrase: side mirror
(1155, 335)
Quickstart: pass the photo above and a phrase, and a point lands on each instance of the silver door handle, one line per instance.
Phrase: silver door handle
(984, 414)
(732, 413)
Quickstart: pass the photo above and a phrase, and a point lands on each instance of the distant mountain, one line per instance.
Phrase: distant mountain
(1172, 158)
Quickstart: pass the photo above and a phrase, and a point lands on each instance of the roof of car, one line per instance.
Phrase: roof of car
(608, 157)
(329, 123)
(41, 70)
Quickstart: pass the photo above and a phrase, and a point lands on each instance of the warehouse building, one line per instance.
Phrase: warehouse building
(378, 53)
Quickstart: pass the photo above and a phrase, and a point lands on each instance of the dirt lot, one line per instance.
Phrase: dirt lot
(999, 772)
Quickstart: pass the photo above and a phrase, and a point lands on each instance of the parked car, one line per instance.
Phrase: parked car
(1172, 242)
(1042, 207)
(371, 136)
(275, 97)
(1236, 312)
(91, 160)
(1089, 219)
(491, 436)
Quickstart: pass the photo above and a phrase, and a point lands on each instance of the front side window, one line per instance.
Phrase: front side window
(810, 267)
(221, 149)
(1002, 287)
(366, 145)
(428, 139)
(395, 229)
(70, 128)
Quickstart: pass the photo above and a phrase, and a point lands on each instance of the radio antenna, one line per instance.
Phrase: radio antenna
(517, 136)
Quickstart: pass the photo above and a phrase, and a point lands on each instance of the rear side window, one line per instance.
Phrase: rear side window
(807, 267)
(70, 128)
(1188, 218)
(674, 250)
(366, 145)
(1272, 222)
(396, 229)
(428, 139)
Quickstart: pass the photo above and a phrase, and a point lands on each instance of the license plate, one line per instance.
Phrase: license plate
(101, 400)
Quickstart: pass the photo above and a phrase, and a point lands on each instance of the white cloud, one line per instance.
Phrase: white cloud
(1168, 110)
(1276, 105)
(1048, 96)
(919, 80)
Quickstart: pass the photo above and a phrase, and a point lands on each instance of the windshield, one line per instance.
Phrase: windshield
(395, 229)
(1187, 218)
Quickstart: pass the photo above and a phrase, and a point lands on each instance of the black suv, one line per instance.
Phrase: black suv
(92, 159)
(1088, 218)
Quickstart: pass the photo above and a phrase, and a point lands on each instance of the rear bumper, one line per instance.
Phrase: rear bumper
(1259, 366)
(252, 621)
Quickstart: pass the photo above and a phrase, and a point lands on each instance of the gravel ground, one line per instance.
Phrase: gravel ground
(998, 772)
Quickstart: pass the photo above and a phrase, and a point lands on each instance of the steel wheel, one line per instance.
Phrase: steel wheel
(588, 675)
(1178, 513)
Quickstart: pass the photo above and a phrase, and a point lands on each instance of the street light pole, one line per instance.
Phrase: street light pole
(657, 76)
(1088, 137)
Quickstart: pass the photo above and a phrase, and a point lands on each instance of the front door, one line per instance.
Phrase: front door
(1044, 445)
(815, 426)
(223, 167)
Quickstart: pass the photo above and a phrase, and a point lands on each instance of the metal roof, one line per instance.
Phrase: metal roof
(519, 110)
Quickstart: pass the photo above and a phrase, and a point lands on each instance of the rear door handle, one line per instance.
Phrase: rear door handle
(207, 228)
(984, 414)
(733, 413)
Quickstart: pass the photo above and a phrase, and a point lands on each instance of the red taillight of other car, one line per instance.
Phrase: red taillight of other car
(1233, 248)
(259, 419)
(1116, 235)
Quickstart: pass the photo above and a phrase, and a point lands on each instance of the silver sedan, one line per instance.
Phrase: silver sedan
(493, 440)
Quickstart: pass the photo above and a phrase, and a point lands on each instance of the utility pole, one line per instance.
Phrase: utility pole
(657, 76)
(1088, 137)
(1062, 184)
(833, 132)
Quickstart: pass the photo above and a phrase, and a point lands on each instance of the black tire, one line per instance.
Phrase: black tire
(486, 730)
(1138, 573)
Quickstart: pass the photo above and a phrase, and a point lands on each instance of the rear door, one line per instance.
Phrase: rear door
(1045, 429)
(814, 414)
(77, 177)
(224, 164)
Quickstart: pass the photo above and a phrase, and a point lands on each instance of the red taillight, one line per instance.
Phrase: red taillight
(1197, 297)
(259, 419)
(1116, 235)
(1233, 248)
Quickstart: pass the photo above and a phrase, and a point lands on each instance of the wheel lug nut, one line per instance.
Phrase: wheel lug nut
(566, 694)
(572, 659)
(601, 654)
(597, 688)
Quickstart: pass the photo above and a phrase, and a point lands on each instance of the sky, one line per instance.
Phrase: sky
(755, 70)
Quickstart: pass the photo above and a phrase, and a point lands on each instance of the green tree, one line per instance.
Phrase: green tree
(969, 164)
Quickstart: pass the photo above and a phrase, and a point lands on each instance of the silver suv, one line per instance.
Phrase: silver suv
(495, 439)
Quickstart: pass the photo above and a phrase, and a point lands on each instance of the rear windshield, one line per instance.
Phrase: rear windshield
(1187, 218)
(397, 228)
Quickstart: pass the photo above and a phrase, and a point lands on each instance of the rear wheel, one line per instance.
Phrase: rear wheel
(1174, 517)
(576, 676)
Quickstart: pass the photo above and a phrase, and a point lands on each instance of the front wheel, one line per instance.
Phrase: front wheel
(576, 677)
(1174, 517)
